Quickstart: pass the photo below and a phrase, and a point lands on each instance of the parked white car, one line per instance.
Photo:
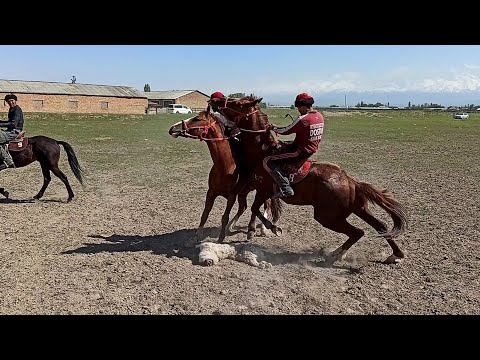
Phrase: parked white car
(460, 115)
(178, 109)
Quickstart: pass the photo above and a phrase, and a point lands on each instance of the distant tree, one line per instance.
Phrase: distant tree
(334, 106)
(74, 79)
(409, 105)
(146, 88)
(237, 95)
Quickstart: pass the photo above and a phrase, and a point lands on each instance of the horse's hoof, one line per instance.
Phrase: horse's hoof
(250, 235)
(392, 259)
(6, 194)
(277, 230)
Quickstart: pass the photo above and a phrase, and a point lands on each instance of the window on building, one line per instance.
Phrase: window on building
(38, 104)
(73, 104)
(104, 105)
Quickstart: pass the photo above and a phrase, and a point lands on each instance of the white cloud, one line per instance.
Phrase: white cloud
(401, 79)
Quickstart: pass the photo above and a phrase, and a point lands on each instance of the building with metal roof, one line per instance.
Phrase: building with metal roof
(56, 97)
(159, 100)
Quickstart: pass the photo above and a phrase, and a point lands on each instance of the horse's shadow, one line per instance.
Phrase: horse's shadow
(29, 201)
(178, 243)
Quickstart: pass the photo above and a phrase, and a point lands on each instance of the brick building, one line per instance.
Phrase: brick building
(55, 97)
(194, 99)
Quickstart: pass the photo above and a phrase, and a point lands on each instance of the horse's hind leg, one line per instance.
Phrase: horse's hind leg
(378, 225)
(57, 172)
(338, 224)
(46, 180)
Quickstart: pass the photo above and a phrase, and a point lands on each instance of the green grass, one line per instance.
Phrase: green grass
(361, 142)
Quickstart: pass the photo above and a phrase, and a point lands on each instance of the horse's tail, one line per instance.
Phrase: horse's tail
(72, 160)
(386, 201)
(276, 208)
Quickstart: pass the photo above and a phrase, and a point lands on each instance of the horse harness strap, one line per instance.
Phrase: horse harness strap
(202, 134)
(246, 115)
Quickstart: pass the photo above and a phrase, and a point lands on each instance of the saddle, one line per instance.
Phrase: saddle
(19, 143)
(295, 173)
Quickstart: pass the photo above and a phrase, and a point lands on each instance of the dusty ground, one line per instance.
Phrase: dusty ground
(118, 249)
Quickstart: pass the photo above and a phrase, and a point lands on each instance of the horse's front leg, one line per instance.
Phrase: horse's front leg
(242, 206)
(230, 202)
(253, 221)
(257, 203)
(209, 201)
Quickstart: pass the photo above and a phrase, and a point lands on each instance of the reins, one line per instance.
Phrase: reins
(240, 116)
(203, 134)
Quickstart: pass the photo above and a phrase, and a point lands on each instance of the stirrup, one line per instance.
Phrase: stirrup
(280, 194)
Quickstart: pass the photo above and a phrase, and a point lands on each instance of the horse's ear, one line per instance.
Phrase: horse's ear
(259, 100)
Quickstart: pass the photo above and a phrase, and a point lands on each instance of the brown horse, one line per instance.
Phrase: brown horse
(333, 193)
(45, 150)
(224, 178)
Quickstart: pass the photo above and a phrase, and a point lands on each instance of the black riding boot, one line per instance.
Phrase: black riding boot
(283, 183)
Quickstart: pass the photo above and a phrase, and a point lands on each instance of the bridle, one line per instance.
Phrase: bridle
(240, 115)
(202, 137)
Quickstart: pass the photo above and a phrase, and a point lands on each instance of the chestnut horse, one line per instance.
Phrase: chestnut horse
(45, 150)
(224, 178)
(333, 193)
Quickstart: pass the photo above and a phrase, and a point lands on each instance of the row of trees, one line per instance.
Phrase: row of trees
(146, 88)
(420, 106)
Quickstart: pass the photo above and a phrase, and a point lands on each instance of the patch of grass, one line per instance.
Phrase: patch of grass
(361, 142)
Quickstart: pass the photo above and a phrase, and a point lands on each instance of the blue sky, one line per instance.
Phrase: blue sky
(333, 74)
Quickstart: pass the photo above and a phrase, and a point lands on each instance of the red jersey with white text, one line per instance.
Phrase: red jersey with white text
(308, 129)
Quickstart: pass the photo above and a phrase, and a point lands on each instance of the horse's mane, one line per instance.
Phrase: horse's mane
(207, 114)
(250, 97)
(260, 117)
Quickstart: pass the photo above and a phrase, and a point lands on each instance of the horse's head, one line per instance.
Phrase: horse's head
(240, 110)
(204, 126)
(246, 114)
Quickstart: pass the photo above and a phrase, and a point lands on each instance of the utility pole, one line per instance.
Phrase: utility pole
(345, 100)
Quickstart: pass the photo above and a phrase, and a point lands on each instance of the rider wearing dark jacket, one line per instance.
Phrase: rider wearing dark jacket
(231, 131)
(308, 127)
(14, 125)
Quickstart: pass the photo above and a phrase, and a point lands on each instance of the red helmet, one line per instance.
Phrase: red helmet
(217, 95)
(304, 99)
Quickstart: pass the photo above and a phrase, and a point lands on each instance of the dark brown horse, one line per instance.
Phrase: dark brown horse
(224, 178)
(333, 193)
(45, 150)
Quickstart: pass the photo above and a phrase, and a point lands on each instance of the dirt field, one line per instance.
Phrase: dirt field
(118, 247)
